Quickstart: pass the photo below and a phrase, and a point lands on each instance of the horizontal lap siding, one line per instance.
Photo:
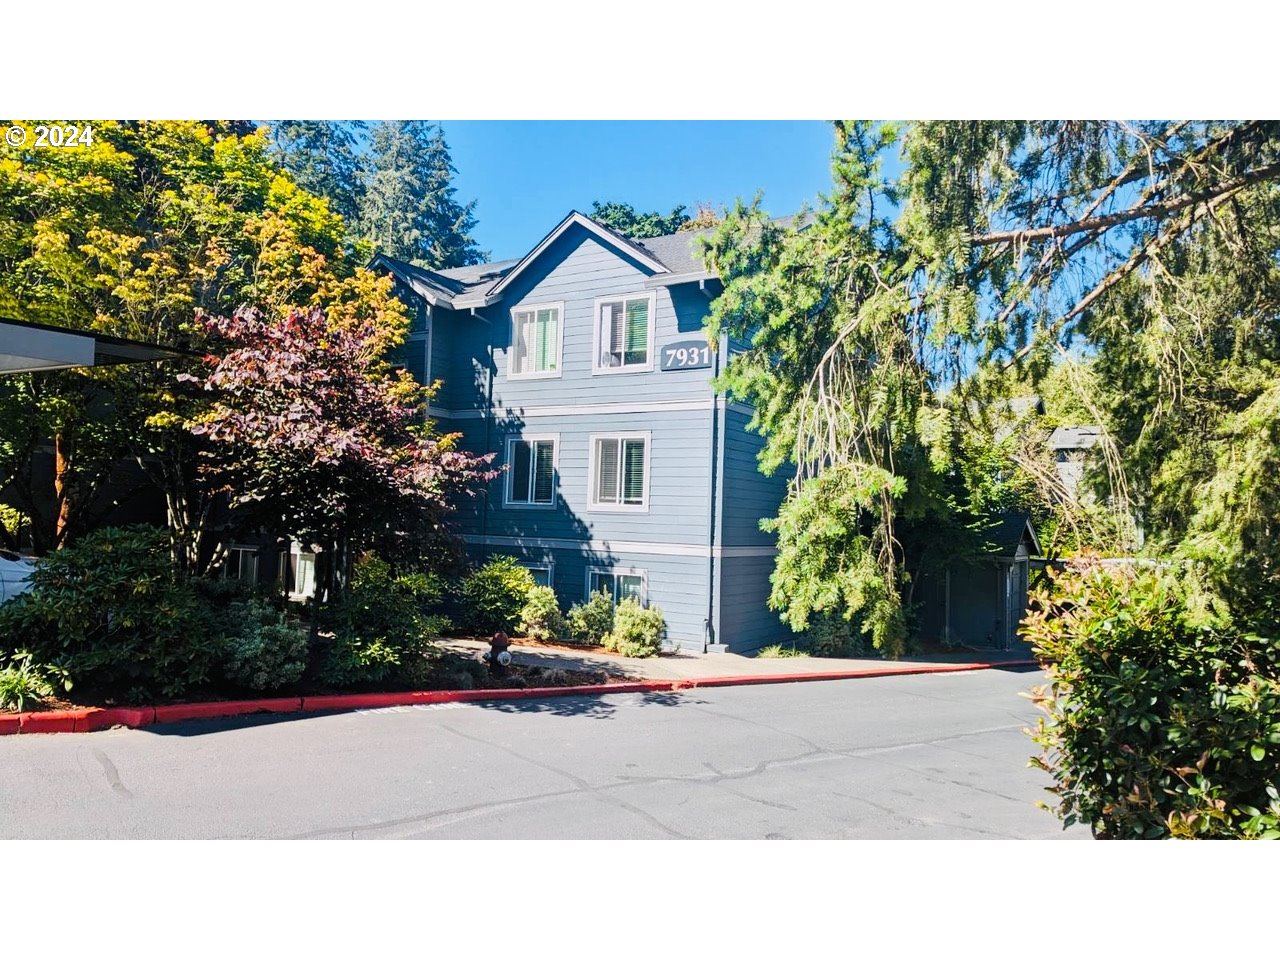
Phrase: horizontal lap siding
(746, 622)
(679, 470)
(676, 585)
(576, 270)
(749, 495)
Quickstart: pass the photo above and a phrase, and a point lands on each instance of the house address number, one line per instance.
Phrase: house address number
(686, 355)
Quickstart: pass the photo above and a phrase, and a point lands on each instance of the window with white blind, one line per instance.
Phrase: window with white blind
(531, 471)
(618, 583)
(536, 338)
(624, 334)
(620, 472)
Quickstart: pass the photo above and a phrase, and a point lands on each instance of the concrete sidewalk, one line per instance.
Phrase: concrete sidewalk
(687, 666)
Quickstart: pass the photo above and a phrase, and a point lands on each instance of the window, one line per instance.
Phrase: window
(620, 472)
(241, 564)
(624, 334)
(535, 341)
(619, 583)
(298, 572)
(531, 471)
(541, 573)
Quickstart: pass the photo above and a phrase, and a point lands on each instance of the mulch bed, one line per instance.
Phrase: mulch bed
(451, 672)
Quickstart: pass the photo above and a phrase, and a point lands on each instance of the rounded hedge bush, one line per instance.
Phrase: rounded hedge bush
(541, 618)
(637, 631)
(591, 622)
(494, 595)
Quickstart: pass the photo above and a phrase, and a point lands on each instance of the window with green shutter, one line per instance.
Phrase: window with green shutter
(620, 471)
(535, 341)
(531, 471)
(624, 332)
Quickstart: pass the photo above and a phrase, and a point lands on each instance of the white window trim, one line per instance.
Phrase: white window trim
(511, 349)
(593, 506)
(242, 548)
(596, 369)
(296, 549)
(547, 565)
(555, 472)
(616, 572)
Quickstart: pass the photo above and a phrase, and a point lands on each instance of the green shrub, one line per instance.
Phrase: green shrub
(541, 617)
(264, 650)
(637, 631)
(831, 635)
(382, 627)
(1156, 723)
(778, 651)
(111, 610)
(493, 596)
(25, 683)
(591, 622)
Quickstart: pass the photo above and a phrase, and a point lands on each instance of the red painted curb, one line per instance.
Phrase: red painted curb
(51, 721)
(104, 718)
(98, 718)
(228, 708)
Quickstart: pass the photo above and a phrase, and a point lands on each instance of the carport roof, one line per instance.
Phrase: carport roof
(26, 347)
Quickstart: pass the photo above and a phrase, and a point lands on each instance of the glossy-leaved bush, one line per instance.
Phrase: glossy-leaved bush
(1157, 722)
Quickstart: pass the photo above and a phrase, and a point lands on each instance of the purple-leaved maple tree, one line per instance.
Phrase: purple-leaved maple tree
(314, 436)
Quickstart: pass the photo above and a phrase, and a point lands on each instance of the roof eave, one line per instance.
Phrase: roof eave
(582, 220)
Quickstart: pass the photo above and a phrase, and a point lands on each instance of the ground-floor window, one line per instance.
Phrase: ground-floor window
(541, 573)
(241, 564)
(298, 572)
(619, 583)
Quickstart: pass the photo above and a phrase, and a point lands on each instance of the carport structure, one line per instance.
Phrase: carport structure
(29, 347)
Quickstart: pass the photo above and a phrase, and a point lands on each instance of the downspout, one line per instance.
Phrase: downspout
(708, 631)
(488, 419)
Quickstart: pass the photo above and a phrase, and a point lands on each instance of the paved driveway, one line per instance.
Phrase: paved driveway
(918, 757)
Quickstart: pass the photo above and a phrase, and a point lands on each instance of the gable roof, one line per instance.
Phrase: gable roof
(612, 237)
(1010, 530)
(673, 258)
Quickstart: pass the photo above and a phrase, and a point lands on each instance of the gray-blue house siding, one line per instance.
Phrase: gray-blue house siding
(694, 545)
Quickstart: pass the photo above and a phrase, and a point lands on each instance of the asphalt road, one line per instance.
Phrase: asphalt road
(940, 756)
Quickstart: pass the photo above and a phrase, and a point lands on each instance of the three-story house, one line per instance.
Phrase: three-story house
(585, 368)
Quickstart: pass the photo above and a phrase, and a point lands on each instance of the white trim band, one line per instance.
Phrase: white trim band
(574, 409)
(621, 546)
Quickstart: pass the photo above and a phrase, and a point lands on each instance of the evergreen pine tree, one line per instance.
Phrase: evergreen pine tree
(409, 210)
(322, 156)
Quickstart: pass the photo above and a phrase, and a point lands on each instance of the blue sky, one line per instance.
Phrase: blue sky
(526, 175)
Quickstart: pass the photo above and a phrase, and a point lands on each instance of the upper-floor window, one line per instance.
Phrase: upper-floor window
(624, 333)
(531, 471)
(620, 471)
(536, 338)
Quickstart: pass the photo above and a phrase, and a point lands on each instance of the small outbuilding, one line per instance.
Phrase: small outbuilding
(979, 604)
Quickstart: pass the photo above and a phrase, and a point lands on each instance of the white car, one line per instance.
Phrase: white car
(15, 575)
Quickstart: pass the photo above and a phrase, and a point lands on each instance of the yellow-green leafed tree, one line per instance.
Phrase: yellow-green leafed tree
(136, 234)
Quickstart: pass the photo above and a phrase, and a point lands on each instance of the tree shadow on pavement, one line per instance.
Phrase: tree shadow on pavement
(602, 707)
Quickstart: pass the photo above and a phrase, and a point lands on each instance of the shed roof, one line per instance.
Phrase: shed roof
(1075, 438)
